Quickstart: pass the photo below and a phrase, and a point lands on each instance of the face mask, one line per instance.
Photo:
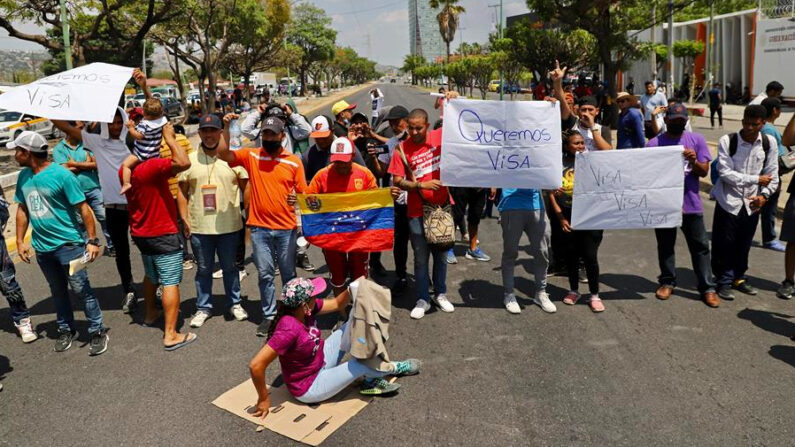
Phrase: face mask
(271, 146)
(676, 128)
(346, 121)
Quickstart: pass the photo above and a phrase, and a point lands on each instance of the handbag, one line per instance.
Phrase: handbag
(437, 220)
(786, 162)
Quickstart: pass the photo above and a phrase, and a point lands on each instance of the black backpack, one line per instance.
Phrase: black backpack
(714, 176)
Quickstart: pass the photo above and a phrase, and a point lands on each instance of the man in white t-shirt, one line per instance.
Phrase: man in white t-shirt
(377, 100)
(774, 89)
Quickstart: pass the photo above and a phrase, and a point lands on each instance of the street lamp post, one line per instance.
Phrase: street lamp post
(670, 90)
(502, 87)
(67, 47)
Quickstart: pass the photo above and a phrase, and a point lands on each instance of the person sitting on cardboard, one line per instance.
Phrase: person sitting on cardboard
(311, 366)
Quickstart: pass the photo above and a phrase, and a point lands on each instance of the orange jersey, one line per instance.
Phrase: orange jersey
(327, 180)
(271, 179)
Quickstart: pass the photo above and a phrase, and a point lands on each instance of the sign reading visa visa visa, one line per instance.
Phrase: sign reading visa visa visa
(501, 144)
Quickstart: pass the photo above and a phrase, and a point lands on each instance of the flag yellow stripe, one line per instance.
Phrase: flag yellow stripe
(345, 201)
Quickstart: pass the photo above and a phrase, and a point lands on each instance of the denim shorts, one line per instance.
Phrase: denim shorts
(165, 269)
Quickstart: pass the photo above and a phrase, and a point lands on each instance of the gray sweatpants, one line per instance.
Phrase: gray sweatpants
(534, 224)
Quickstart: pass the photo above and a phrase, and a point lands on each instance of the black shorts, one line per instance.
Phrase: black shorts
(788, 224)
(469, 201)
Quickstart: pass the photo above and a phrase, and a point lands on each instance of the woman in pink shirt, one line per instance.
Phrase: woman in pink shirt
(311, 366)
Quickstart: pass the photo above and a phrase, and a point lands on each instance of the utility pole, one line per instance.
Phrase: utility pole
(653, 41)
(499, 30)
(67, 47)
(710, 46)
(670, 90)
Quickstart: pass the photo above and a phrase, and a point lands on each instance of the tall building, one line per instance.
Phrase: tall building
(425, 39)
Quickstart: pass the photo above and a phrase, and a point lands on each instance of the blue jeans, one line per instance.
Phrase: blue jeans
(269, 247)
(10, 287)
(334, 377)
(55, 266)
(422, 253)
(94, 200)
(204, 248)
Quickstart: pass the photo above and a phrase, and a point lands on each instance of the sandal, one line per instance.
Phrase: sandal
(571, 298)
(596, 305)
(185, 341)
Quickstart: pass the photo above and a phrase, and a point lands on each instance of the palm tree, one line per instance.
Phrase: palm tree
(448, 20)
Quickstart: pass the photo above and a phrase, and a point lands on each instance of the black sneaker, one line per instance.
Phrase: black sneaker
(401, 283)
(129, 303)
(99, 342)
(262, 329)
(110, 252)
(377, 269)
(744, 287)
(786, 290)
(582, 275)
(302, 261)
(64, 340)
(725, 292)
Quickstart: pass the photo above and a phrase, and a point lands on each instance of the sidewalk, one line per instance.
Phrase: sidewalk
(732, 112)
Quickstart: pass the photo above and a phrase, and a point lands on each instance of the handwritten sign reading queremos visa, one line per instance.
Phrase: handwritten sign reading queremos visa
(87, 93)
(501, 144)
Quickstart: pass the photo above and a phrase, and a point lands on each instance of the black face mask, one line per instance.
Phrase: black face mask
(271, 146)
(676, 128)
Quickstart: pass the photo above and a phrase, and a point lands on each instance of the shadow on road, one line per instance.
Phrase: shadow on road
(770, 321)
(627, 287)
(5, 366)
(784, 353)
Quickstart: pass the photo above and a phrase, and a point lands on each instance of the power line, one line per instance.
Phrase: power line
(376, 8)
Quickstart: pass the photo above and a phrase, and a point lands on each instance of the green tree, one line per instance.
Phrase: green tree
(410, 63)
(448, 20)
(504, 59)
(458, 73)
(483, 68)
(254, 45)
(688, 50)
(311, 31)
(99, 30)
(660, 51)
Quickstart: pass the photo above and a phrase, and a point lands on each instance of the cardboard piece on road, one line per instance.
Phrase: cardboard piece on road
(309, 424)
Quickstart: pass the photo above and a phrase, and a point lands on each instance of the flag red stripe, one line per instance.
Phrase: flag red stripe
(367, 240)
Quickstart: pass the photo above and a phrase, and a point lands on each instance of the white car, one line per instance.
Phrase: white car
(13, 123)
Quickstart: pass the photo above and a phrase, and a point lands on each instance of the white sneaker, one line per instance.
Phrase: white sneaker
(26, 330)
(542, 299)
(238, 312)
(243, 275)
(420, 308)
(199, 318)
(510, 304)
(443, 303)
(218, 274)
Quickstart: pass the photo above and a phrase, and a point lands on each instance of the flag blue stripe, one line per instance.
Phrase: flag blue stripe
(347, 221)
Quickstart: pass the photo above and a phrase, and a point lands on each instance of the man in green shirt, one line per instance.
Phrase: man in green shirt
(71, 154)
(49, 198)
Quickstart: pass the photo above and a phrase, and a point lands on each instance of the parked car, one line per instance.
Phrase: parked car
(393, 81)
(132, 103)
(13, 123)
(171, 107)
(508, 88)
(494, 84)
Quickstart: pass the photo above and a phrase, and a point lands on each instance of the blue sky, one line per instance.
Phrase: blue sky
(385, 21)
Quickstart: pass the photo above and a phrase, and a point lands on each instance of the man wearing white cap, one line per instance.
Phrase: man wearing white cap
(49, 195)
(342, 112)
(343, 176)
(318, 155)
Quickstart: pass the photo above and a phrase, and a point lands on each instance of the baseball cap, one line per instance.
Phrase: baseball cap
(396, 113)
(275, 110)
(212, 121)
(341, 106)
(676, 110)
(321, 128)
(298, 291)
(341, 149)
(29, 141)
(273, 124)
(359, 117)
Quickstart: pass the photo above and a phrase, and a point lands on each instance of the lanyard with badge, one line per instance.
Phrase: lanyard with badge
(209, 189)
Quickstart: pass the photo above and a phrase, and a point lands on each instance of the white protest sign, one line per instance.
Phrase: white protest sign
(87, 93)
(501, 144)
(628, 189)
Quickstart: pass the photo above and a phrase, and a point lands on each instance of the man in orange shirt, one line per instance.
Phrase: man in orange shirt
(342, 175)
(274, 177)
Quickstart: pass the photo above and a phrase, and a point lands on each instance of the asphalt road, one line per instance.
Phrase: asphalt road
(645, 372)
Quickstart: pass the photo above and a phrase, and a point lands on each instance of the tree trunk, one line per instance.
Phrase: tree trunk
(211, 86)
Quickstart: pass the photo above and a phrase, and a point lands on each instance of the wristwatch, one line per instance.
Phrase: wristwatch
(766, 196)
(94, 241)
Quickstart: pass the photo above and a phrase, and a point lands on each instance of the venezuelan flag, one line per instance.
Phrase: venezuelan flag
(349, 221)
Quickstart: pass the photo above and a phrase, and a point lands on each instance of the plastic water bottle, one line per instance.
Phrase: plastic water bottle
(234, 135)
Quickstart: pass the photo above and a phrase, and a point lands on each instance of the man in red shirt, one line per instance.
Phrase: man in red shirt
(342, 175)
(423, 152)
(153, 227)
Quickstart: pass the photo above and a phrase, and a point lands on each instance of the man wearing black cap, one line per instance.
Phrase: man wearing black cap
(697, 157)
(296, 126)
(209, 206)
(274, 177)
(49, 195)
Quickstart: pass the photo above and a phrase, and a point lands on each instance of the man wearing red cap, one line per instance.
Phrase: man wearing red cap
(342, 175)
